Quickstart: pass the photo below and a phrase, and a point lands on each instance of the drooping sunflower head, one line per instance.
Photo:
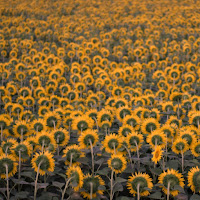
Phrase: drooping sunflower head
(168, 131)
(141, 180)
(190, 137)
(134, 141)
(22, 150)
(125, 130)
(21, 128)
(82, 123)
(6, 145)
(173, 178)
(194, 119)
(180, 146)
(149, 125)
(111, 143)
(104, 115)
(72, 154)
(174, 120)
(38, 125)
(117, 163)
(122, 112)
(92, 184)
(194, 179)
(52, 120)
(44, 161)
(157, 138)
(88, 138)
(76, 175)
(9, 162)
(132, 120)
(4, 122)
(61, 136)
(195, 149)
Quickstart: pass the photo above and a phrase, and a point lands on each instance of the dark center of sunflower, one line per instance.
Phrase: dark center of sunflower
(188, 138)
(88, 138)
(23, 149)
(196, 180)
(82, 125)
(59, 136)
(38, 127)
(197, 149)
(113, 144)
(44, 160)
(22, 129)
(125, 131)
(157, 140)
(134, 140)
(51, 121)
(74, 153)
(180, 146)
(150, 127)
(91, 182)
(44, 140)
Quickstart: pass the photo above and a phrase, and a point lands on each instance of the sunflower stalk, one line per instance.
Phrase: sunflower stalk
(138, 155)
(111, 185)
(1, 133)
(138, 191)
(129, 154)
(7, 181)
(21, 135)
(36, 180)
(66, 185)
(182, 160)
(42, 146)
(92, 154)
(71, 157)
(168, 190)
(58, 145)
(91, 190)
(19, 173)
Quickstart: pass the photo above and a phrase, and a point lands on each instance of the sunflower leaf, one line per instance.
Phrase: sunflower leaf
(120, 180)
(57, 184)
(195, 197)
(117, 187)
(103, 171)
(179, 188)
(156, 195)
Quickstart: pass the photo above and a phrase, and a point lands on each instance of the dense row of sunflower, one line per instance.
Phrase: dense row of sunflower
(99, 99)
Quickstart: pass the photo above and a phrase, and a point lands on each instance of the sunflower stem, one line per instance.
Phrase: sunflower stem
(168, 188)
(138, 191)
(19, 173)
(182, 160)
(42, 146)
(66, 185)
(71, 157)
(96, 123)
(111, 185)
(21, 135)
(54, 124)
(35, 191)
(7, 181)
(138, 155)
(129, 154)
(92, 154)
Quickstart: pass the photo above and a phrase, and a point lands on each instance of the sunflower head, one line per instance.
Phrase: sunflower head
(172, 178)
(76, 175)
(52, 120)
(117, 163)
(134, 141)
(88, 138)
(157, 154)
(149, 125)
(180, 146)
(92, 183)
(9, 162)
(143, 181)
(194, 179)
(157, 138)
(44, 161)
(61, 136)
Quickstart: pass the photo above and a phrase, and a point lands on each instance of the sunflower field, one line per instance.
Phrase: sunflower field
(99, 99)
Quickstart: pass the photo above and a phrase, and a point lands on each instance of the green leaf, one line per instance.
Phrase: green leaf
(104, 171)
(156, 195)
(195, 197)
(172, 164)
(118, 187)
(58, 184)
(179, 188)
(28, 174)
(124, 198)
(120, 180)
(101, 187)
(156, 171)
(83, 160)
(21, 194)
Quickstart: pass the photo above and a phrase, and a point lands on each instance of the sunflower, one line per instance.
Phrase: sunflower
(134, 140)
(21, 128)
(111, 143)
(91, 184)
(149, 125)
(132, 120)
(82, 123)
(157, 154)
(88, 138)
(195, 149)
(7, 145)
(174, 120)
(171, 178)
(140, 181)
(45, 161)
(44, 139)
(180, 146)
(193, 179)
(38, 125)
(76, 175)
(104, 115)
(156, 138)
(122, 112)
(61, 136)
(189, 136)
(8, 161)
(43, 110)
(168, 131)
(72, 154)
(117, 163)
(22, 150)
(52, 120)
(125, 129)
(195, 119)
